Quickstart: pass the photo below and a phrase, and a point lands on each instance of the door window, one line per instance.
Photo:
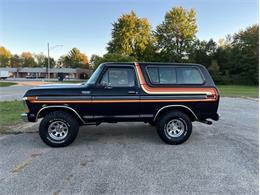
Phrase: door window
(118, 77)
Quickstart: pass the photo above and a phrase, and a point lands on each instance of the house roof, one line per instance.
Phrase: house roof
(43, 70)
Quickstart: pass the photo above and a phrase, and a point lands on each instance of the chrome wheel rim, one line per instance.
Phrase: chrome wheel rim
(58, 130)
(175, 128)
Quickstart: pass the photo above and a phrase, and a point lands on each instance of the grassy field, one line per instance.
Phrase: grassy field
(10, 114)
(6, 84)
(238, 91)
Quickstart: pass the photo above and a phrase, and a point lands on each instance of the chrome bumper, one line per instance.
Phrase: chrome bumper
(24, 117)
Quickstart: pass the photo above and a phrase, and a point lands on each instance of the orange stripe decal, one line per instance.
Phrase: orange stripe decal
(116, 101)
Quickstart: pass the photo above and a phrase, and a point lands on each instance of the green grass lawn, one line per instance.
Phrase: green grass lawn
(10, 112)
(6, 84)
(238, 91)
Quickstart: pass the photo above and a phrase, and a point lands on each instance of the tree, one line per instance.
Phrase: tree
(238, 57)
(214, 71)
(74, 59)
(40, 59)
(5, 56)
(52, 62)
(176, 34)
(15, 61)
(245, 55)
(28, 60)
(62, 62)
(95, 61)
(109, 57)
(131, 36)
(203, 52)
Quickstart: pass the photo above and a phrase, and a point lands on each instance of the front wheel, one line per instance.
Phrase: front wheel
(174, 127)
(58, 129)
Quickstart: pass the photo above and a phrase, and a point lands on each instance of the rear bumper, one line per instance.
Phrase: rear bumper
(216, 117)
(24, 117)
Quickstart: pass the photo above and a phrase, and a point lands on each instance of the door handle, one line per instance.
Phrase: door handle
(108, 87)
(132, 92)
(85, 92)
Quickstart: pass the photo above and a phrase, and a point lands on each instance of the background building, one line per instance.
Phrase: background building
(72, 73)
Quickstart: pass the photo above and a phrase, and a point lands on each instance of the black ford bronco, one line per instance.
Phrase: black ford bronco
(168, 96)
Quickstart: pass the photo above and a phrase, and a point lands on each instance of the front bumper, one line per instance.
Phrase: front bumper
(24, 117)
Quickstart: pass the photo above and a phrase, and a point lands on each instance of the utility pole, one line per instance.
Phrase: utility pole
(48, 47)
(48, 72)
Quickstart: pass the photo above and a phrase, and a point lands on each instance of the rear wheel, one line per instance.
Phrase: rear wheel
(174, 127)
(58, 129)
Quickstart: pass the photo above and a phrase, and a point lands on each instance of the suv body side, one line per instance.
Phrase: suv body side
(139, 102)
(170, 96)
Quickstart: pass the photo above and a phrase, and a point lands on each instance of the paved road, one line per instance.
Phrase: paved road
(129, 158)
(13, 92)
(16, 92)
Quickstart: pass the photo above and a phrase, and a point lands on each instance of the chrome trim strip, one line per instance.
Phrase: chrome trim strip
(115, 97)
(115, 116)
(88, 117)
(119, 116)
(172, 97)
(146, 115)
(64, 97)
(175, 106)
(67, 107)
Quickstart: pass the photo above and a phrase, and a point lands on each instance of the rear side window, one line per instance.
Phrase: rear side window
(174, 75)
(189, 75)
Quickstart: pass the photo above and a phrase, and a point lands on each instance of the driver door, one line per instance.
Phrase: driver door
(116, 94)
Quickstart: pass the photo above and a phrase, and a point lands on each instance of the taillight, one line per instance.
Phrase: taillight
(214, 95)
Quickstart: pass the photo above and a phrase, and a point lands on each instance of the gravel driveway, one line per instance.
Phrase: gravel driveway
(129, 158)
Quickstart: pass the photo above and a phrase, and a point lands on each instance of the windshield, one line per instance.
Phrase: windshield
(94, 76)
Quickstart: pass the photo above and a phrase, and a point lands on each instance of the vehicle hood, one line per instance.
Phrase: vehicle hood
(56, 90)
(57, 86)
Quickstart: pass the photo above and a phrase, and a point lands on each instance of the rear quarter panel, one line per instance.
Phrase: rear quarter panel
(196, 102)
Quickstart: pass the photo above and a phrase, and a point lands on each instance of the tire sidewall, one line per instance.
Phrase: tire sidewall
(68, 120)
(179, 137)
(62, 140)
(161, 124)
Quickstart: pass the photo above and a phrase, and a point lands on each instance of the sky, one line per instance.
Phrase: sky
(28, 25)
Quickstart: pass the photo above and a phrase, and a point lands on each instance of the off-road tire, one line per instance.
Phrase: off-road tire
(65, 118)
(161, 127)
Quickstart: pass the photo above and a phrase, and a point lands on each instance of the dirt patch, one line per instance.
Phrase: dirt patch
(22, 127)
(25, 163)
